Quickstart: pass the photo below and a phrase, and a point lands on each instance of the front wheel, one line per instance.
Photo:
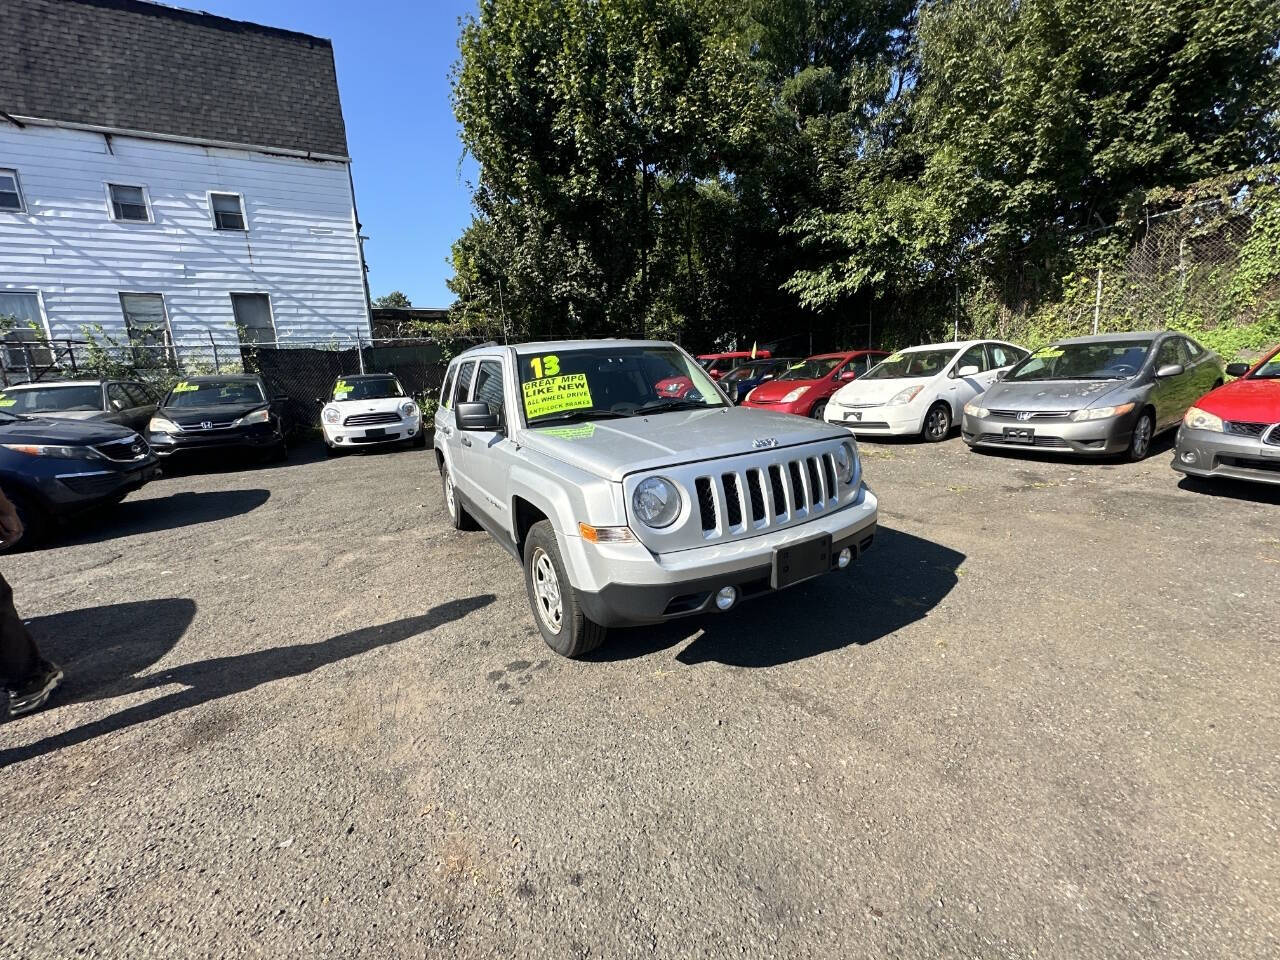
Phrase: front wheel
(937, 423)
(553, 599)
(35, 523)
(458, 515)
(819, 410)
(1140, 442)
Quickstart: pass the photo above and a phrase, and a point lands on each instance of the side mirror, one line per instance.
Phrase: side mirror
(1001, 374)
(849, 375)
(474, 416)
(117, 405)
(968, 370)
(1237, 369)
(1170, 370)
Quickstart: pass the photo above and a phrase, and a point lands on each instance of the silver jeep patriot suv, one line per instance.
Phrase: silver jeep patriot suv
(633, 491)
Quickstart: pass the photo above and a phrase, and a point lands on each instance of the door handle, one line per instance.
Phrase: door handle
(466, 441)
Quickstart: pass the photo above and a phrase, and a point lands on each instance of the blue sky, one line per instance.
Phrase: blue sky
(393, 61)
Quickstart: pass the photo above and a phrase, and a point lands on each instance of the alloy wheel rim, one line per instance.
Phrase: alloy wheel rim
(1143, 437)
(937, 423)
(449, 500)
(546, 591)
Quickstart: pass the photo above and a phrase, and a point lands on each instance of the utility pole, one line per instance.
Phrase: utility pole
(1097, 303)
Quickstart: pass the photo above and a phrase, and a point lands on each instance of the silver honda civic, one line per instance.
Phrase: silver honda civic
(1103, 395)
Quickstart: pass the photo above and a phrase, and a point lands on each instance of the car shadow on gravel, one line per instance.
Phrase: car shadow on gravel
(207, 680)
(1231, 489)
(153, 514)
(899, 580)
(301, 453)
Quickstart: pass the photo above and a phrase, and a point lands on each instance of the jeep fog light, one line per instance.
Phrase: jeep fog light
(844, 558)
(726, 597)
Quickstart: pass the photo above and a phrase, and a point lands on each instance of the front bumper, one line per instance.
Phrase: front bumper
(253, 437)
(634, 586)
(76, 485)
(1204, 453)
(1097, 438)
(799, 408)
(337, 435)
(885, 420)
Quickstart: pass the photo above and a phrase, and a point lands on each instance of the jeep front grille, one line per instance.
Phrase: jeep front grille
(782, 492)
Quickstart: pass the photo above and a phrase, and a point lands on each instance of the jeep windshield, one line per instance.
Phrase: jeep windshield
(216, 393)
(559, 386)
(87, 397)
(1109, 360)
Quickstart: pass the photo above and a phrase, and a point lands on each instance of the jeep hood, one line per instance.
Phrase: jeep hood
(614, 448)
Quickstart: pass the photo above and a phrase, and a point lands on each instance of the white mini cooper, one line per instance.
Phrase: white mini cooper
(369, 408)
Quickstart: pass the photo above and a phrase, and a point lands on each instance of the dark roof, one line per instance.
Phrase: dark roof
(156, 69)
(1114, 337)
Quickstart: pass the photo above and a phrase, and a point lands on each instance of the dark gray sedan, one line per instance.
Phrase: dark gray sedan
(1104, 395)
(129, 403)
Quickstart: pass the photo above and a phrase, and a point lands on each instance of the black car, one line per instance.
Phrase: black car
(127, 402)
(53, 469)
(217, 413)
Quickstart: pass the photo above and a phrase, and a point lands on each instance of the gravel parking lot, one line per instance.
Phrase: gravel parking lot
(302, 716)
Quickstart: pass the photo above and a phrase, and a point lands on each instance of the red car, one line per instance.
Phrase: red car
(805, 388)
(1234, 431)
(718, 364)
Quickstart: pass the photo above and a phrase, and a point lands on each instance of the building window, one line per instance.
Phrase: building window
(10, 192)
(25, 324)
(253, 317)
(147, 327)
(129, 203)
(228, 211)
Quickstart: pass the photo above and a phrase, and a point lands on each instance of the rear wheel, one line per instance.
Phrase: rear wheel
(35, 522)
(553, 599)
(937, 423)
(420, 439)
(1140, 442)
(458, 515)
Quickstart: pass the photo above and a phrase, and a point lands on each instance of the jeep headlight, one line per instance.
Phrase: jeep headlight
(795, 394)
(845, 457)
(409, 408)
(163, 425)
(330, 414)
(1198, 419)
(258, 416)
(656, 502)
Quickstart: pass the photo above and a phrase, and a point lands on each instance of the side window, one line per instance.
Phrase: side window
(866, 362)
(1169, 352)
(489, 385)
(975, 356)
(1001, 356)
(460, 392)
(117, 397)
(446, 391)
(1194, 350)
(137, 395)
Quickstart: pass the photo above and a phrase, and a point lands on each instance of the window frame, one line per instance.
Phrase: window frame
(213, 214)
(17, 187)
(111, 202)
(166, 339)
(502, 385)
(1173, 344)
(128, 401)
(271, 314)
(984, 362)
(475, 365)
(446, 388)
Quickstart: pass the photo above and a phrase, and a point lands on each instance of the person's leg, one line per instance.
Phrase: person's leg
(27, 676)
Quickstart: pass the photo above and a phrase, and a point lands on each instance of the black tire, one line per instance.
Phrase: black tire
(818, 410)
(420, 440)
(574, 635)
(278, 452)
(332, 451)
(36, 522)
(937, 423)
(453, 508)
(1144, 430)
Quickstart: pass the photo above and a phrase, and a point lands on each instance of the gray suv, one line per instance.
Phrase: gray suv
(629, 505)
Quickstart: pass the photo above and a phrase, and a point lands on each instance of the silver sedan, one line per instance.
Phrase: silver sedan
(1103, 395)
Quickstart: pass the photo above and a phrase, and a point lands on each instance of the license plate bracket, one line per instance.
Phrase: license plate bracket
(800, 561)
(376, 432)
(1019, 435)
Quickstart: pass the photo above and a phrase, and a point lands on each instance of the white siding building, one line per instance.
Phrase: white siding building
(153, 217)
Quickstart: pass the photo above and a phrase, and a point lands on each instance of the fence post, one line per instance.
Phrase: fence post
(360, 351)
(1097, 303)
(26, 356)
(71, 355)
(217, 365)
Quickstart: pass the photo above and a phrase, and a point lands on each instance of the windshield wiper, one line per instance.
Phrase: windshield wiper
(588, 413)
(673, 403)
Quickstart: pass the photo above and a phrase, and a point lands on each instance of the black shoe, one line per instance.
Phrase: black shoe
(32, 694)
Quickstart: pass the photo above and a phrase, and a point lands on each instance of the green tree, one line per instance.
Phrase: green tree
(393, 299)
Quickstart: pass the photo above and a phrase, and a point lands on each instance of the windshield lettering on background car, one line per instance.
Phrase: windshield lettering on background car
(911, 364)
(367, 388)
(216, 393)
(6, 400)
(814, 369)
(618, 382)
(1108, 360)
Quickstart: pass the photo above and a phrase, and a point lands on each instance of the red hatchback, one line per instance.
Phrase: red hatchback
(1234, 431)
(805, 388)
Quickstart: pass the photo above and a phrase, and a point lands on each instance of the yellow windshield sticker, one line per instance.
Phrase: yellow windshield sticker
(556, 394)
(185, 387)
(341, 389)
(7, 401)
(547, 366)
(583, 431)
(1047, 353)
(893, 358)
